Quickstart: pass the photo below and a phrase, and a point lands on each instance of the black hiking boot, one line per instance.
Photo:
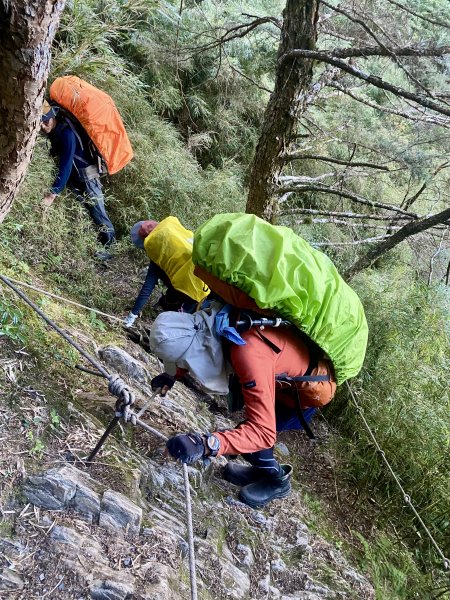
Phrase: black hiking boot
(265, 490)
(242, 474)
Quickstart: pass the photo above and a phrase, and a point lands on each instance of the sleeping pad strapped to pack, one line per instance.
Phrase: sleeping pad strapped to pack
(280, 271)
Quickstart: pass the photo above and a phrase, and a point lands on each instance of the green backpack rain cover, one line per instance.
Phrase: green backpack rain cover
(282, 272)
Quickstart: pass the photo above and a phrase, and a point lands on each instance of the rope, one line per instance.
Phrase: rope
(41, 291)
(406, 497)
(125, 399)
(53, 325)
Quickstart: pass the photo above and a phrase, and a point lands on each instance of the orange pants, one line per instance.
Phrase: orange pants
(256, 364)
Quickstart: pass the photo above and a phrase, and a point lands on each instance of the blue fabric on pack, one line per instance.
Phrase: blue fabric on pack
(223, 327)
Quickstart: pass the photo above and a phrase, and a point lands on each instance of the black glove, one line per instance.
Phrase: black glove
(186, 447)
(163, 381)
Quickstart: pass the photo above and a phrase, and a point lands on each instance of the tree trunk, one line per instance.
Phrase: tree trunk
(288, 99)
(412, 228)
(27, 28)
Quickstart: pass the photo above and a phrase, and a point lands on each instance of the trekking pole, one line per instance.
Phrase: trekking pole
(248, 322)
(113, 425)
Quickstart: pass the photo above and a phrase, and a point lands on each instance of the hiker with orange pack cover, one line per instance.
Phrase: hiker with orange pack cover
(87, 138)
(76, 171)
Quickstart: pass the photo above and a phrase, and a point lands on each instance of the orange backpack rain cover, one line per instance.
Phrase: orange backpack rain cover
(97, 113)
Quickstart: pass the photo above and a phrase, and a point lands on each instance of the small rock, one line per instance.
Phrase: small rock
(233, 502)
(236, 581)
(10, 580)
(356, 577)
(259, 518)
(278, 566)
(282, 449)
(41, 577)
(50, 490)
(118, 513)
(183, 547)
(66, 535)
(110, 590)
(12, 547)
(246, 558)
(301, 542)
(264, 585)
(317, 588)
(64, 487)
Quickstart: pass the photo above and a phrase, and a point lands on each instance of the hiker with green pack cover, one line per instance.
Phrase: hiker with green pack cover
(284, 374)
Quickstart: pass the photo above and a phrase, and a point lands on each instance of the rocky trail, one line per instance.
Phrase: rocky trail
(116, 530)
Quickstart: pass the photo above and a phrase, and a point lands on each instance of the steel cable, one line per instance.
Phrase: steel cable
(119, 389)
(406, 497)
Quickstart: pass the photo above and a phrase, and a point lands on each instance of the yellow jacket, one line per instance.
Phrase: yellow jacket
(169, 245)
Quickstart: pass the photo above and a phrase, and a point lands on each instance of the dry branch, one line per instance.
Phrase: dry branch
(346, 194)
(411, 228)
(367, 77)
(421, 118)
(348, 215)
(330, 159)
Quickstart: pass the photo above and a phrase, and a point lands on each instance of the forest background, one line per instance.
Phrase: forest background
(192, 82)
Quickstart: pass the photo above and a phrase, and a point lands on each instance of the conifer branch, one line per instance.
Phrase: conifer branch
(419, 16)
(389, 52)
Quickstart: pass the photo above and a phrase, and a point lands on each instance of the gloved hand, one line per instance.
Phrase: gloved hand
(163, 381)
(129, 320)
(186, 447)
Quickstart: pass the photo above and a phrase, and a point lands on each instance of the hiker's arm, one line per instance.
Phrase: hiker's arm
(151, 279)
(66, 156)
(254, 365)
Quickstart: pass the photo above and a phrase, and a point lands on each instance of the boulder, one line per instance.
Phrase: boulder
(63, 488)
(124, 363)
(118, 513)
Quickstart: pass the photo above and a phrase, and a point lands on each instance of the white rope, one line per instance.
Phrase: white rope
(406, 497)
(41, 291)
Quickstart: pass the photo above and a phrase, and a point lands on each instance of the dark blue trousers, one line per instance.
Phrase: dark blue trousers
(287, 419)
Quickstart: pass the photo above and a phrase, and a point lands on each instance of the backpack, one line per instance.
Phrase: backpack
(99, 118)
(281, 273)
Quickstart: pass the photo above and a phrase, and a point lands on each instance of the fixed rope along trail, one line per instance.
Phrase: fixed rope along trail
(406, 497)
(66, 300)
(119, 389)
